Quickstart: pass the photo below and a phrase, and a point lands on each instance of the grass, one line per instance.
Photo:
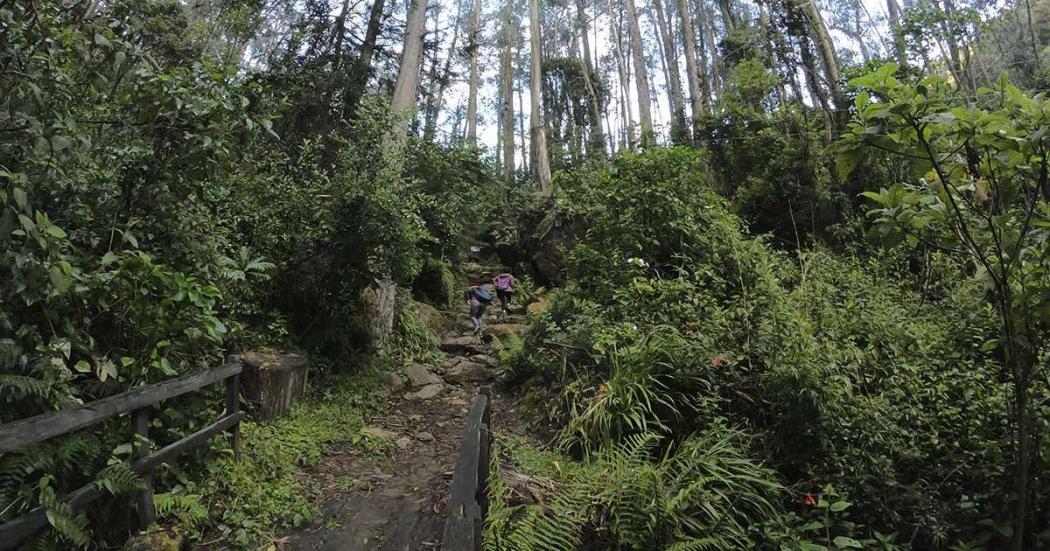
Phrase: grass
(249, 503)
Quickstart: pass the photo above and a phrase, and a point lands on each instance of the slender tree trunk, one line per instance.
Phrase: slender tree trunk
(678, 125)
(727, 14)
(893, 10)
(960, 69)
(434, 110)
(339, 33)
(641, 80)
(595, 141)
(363, 67)
(472, 96)
(541, 168)
(858, 31)
(692, 68)
(627, 118)
(506, 80)
(826, 49)
(707, 26)
(525, 159)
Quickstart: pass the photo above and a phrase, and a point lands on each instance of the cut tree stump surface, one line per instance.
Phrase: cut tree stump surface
(399, 503)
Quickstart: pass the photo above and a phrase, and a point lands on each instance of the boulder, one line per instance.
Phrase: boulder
(482, 359)
(420, 376)
(424, 436)
(158, 538)
(403, 443)
(379, 433)
(468, 372)
(426, 392)
(503, 329)
(536, 307)
(461, 345)
(391, 381)
(273, 380)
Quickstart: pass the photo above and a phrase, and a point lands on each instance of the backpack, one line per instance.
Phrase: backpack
(504, 282)
(483, 295)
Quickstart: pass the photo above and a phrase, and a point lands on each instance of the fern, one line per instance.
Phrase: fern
(67, 523)
(20, 387)
(187, 508)
(118, 479)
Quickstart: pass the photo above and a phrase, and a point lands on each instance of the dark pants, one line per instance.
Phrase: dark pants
(504, 298)
(477, 309)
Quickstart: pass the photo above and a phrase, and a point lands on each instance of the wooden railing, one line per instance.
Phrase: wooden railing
(469, 500)
(19, 435)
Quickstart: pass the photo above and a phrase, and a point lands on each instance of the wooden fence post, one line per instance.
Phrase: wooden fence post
(233, 405)
(140, 424)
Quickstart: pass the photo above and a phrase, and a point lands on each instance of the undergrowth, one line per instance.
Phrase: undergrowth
(265, 494)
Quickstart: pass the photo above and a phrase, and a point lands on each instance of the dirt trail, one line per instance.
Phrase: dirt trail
(399, 503)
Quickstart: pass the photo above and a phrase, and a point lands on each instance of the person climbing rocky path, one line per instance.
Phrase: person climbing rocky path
(399, 503)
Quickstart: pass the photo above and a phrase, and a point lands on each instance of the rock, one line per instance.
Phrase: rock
(504, 329)
(403, 443)
(391, 381)
(424, 437)
(457, 401)
(419, 376)
(380, 433)
(158, 538)
(463, 345)
(536, 307)
(430, 317)
(426, 392)
(484, 359)
(468, 372)
(273, 380)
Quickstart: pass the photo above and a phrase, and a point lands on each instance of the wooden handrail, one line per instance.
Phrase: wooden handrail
(19, 435)
(468, 502)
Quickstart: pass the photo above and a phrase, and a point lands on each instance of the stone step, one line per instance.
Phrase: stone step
(469, 344)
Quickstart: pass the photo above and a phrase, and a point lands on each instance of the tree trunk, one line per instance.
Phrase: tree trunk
(596, 140)
(893, 10)
(678, 126)
(526, 161)
(858, 31)
(406, 87)
(692, 68)
(363, 67)
(826, 49)
(727, 14)
(627, 118)
(541, 168)
(506, 81)
(471, 133)
(641, 80)
(435, 106)
(707, 27)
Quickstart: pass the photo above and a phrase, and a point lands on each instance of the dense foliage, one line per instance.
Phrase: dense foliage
(848, 371)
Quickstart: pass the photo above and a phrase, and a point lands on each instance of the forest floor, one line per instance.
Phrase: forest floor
(398, 502)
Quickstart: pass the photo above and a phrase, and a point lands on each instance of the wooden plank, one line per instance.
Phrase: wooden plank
(185, 444)
(465, 513)
(13, 533)
(233, 405)
(144, 500)
(19, 435)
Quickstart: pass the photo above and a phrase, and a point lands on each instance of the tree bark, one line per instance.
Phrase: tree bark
(471, 133)
(541, 168)
(707, 29)
(627, 118)
(641, 80)
(434, 107)
(678, 126)
(595, 140)
(406, 87)
(826, 49)
(727, 14)
(363, 66)
(893, 10)
(506, 80)
(692, 68)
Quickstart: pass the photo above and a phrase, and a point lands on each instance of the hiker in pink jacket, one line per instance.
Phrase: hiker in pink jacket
(504, 284)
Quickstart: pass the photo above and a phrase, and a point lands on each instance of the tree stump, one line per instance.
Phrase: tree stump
(273, 381)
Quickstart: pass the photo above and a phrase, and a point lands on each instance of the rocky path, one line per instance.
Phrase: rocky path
(398, 503)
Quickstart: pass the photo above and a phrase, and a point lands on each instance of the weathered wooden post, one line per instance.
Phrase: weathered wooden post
(233, 405)
(140, 425)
